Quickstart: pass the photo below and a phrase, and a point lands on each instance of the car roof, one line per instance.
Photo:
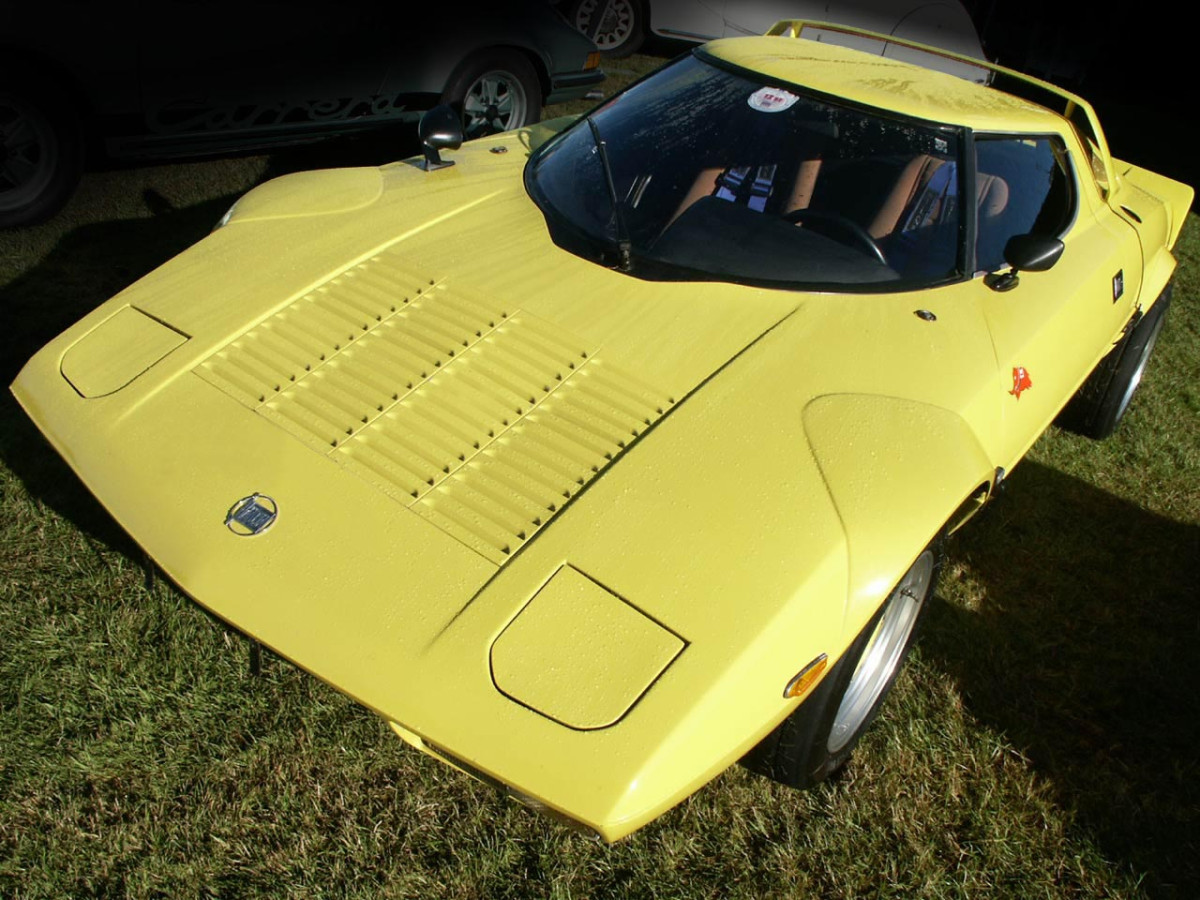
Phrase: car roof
(885, 83)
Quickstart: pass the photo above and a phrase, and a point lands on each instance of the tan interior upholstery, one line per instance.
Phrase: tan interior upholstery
(704, 185)
(806, 181)
(992, 192)
(913, 177)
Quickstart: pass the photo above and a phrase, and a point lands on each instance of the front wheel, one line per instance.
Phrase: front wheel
(495, 91)
(818, 738)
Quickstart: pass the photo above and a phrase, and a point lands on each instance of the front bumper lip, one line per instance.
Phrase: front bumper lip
(442, 755)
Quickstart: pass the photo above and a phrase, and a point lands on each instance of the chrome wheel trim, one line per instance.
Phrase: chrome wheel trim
(495, 101)
(615, 26)
(883, 652)
(28, 153)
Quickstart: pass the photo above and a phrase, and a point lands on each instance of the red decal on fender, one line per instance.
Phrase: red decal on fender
(1021, 381)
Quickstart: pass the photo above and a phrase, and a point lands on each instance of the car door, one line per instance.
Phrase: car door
(1052, 327)
(226, 73)
(688, 20)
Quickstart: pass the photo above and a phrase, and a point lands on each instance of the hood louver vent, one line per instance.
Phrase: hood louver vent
(485, 420)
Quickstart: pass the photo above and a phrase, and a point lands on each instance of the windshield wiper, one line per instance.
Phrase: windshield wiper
(625, 256)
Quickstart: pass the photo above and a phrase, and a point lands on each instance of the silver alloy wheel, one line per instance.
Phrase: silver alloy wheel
(495, 101)
(615, 26)
(28, 153)
(883, 653)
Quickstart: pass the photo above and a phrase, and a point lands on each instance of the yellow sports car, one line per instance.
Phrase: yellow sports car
(600, 455)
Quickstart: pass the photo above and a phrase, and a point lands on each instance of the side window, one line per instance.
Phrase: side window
(1024, 185)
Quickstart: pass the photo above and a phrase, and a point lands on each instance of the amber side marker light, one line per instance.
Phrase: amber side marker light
(592, 61)
(806, 677)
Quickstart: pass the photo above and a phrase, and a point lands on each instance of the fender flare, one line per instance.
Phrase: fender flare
(312, 193)
(899, 472)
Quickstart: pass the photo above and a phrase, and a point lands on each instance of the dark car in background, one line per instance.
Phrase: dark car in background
(83, 82)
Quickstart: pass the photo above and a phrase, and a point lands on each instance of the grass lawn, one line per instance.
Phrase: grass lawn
(1042, 741)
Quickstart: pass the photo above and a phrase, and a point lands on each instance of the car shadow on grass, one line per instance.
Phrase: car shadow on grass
(86, 267)
(1082, 649)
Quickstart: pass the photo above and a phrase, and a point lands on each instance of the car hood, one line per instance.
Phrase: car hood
(421, 331)
(402, 439)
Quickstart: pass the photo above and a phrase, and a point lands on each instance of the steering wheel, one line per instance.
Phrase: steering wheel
(844, 223)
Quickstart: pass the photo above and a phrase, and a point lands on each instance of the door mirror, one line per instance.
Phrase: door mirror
(1032, 252)
(439, 129)
(1025, 253)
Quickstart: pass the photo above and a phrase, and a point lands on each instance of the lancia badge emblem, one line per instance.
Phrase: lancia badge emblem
(251, 515)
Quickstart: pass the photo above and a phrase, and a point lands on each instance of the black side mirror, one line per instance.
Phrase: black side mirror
(440, 129)
(1025, 253)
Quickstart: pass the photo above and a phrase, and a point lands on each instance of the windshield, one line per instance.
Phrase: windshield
(719, 175)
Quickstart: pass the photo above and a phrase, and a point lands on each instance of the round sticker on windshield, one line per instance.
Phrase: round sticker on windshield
(770, 99)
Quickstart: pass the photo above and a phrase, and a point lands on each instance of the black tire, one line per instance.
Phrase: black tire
(616, 27)
(495, 91)
(818, 738)
(1102, 401)
(41, 149)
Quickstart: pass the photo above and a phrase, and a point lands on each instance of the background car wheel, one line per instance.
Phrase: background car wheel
(617, 27)
(1101, 401)
(818, 738)
(495, 92)
(41, 151)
